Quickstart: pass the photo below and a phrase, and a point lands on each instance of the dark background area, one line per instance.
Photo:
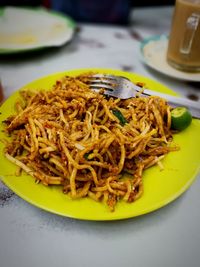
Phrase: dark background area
(134, 3)
(99, 11)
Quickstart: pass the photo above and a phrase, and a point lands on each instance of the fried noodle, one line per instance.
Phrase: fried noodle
(71, 136)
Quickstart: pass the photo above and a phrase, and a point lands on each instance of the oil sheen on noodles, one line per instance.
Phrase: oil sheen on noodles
(84, 141)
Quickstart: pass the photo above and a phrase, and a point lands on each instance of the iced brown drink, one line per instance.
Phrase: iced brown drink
(184, 42)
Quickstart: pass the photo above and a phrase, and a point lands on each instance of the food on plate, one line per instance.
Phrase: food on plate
(181, 118)
(84, 141)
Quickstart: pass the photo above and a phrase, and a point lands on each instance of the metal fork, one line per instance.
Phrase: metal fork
(122, 87)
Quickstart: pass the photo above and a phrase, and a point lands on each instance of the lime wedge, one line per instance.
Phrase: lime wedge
(181, 118)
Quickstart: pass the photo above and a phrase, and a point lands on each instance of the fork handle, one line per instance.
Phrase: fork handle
(174, 101)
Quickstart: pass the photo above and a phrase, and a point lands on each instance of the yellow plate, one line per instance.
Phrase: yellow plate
(160, 187)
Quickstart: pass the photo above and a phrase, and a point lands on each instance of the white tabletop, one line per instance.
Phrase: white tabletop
(32, 237)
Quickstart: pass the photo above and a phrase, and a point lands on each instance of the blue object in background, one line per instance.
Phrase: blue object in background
(103, 11)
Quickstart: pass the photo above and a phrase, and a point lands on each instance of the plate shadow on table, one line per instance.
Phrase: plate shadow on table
(38, 54)
(105, 229)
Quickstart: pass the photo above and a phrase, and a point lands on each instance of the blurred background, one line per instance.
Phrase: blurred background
(104, 11)
(48, 2)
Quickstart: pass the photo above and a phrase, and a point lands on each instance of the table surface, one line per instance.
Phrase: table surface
(32, 237)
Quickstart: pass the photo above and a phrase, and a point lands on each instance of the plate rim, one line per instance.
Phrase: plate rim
(68, 20)
(112, 216)
(195, 77)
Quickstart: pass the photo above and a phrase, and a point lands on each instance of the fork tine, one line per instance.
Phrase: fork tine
(103, 81)
(111, 84)
(108, 76)
(106, 92)
(116, 86)
(101, 86)
(107, 82)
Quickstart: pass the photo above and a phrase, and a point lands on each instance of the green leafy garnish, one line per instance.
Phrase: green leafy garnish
(86, 155)
(120, 116)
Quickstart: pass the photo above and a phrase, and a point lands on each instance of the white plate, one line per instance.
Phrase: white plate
(23, 29)
(154, 51)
